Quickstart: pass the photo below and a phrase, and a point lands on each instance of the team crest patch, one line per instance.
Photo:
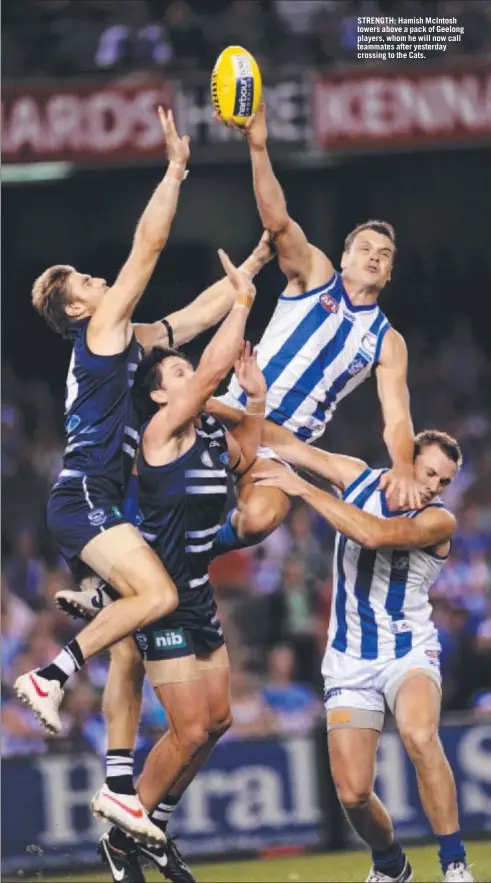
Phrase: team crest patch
(329, 303)
(206, 459)
(357, 365)
(224, 458)
(97, 517)
(142, 641)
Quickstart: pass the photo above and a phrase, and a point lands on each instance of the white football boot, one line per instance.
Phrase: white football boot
(44, 698)
(457, 872)
(126, 811)
(405, 876)
(85, 602)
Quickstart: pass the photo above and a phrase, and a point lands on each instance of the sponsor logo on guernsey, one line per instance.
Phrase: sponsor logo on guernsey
(224, 458)
(330, 694)
(97, 517)
(400, 562)
(206, 459)
(116, 512)
(329, 303)
(357, 365)
(169, 639)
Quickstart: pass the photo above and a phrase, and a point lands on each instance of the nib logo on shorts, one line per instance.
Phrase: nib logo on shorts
(170, 639)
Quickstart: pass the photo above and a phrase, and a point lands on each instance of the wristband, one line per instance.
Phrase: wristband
(256, 407)
(244, 300)
(170, 333)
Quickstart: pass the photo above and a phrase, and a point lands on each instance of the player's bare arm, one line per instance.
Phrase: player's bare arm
(246, 438)
(393, 393)
(431, 527)
(215, 363)
(206, 310)
(109, 329)
(304, 265)
(338, 469)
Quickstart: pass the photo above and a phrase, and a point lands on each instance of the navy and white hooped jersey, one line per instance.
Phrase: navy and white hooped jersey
(100, 421)
(316, 349)
(181, 505)
(380, 607)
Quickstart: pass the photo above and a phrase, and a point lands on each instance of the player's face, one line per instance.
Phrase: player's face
(369, 260)
(174, 375)
(86, 293)
(433, 472)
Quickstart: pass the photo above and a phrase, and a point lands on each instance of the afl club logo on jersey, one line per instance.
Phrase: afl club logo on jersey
(329, 303)
(206, 460)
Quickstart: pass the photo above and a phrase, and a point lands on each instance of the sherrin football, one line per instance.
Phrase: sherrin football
(236, 85)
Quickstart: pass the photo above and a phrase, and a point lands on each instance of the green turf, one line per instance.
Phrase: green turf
(342, 867)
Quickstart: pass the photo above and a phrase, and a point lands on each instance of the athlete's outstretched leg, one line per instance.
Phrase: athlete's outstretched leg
(417, 713)
(352, 753)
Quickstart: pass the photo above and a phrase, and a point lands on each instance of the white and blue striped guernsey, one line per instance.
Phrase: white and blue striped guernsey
(380, 608)
(315, 350)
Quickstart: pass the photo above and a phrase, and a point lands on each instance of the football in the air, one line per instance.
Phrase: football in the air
(236, 85)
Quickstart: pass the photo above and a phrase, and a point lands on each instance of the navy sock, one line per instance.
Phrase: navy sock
(451, 849)
(227, 539)
(70, 660)
(162, 813)
(390, 861)
(119, 771)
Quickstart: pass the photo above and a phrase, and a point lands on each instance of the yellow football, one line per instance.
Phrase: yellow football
(236, 85)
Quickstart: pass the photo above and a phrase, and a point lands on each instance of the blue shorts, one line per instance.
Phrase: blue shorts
(173, 636)
(79, 509)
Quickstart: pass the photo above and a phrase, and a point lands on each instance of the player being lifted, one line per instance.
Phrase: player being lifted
(326, 336)
(382, 645)
(84, 510)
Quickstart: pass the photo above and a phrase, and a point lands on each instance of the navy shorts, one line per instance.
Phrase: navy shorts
(167, 639)
(79, 509)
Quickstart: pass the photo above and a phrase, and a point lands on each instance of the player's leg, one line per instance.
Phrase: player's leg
(355, 716)
(415, 697)
(122, 558)
(121, 705)
(260, 510)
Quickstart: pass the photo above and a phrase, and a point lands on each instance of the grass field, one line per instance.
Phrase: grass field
(341, 867)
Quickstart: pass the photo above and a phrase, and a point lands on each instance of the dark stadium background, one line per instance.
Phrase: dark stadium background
(435, 191)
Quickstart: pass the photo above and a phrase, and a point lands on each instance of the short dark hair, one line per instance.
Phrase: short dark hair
(147, 379)
(445, 442)
(382, 227)
(50, 295)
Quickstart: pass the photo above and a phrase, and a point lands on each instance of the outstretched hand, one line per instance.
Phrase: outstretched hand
(177, 148)
(281, 477)
(249, 374)
(255, 130)
(238, 279)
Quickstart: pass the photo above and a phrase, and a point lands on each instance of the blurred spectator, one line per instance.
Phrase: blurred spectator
(251, 714)
(25, 570)
(297, 707)
(293, 618)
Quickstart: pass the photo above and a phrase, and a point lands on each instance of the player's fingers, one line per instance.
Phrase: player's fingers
(227, 264)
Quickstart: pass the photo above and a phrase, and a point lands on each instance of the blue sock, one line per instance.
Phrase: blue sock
(451, 850)
(226, 539)
(390, 861)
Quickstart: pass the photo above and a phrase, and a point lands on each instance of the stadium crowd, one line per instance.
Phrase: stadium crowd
(274, 599)
(66, 38)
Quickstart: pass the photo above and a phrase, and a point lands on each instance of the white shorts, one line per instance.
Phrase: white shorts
(263, 453)
(365, 683)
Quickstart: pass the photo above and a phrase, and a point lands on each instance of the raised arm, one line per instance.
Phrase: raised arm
(246, 437)
(110, 329)
(434, 525)
(206, 310)
(215, 363)
(393, 393)
(300, 261)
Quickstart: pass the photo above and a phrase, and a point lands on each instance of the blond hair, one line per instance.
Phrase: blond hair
(50, 295)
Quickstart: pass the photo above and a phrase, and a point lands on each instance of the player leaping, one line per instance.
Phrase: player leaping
(326, 336)
(382, 645)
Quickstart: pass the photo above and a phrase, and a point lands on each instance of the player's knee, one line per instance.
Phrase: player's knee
(258, 517)
(219, 725)
(193, 736)
(419, 740)
(157, 603)
(352, 796)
